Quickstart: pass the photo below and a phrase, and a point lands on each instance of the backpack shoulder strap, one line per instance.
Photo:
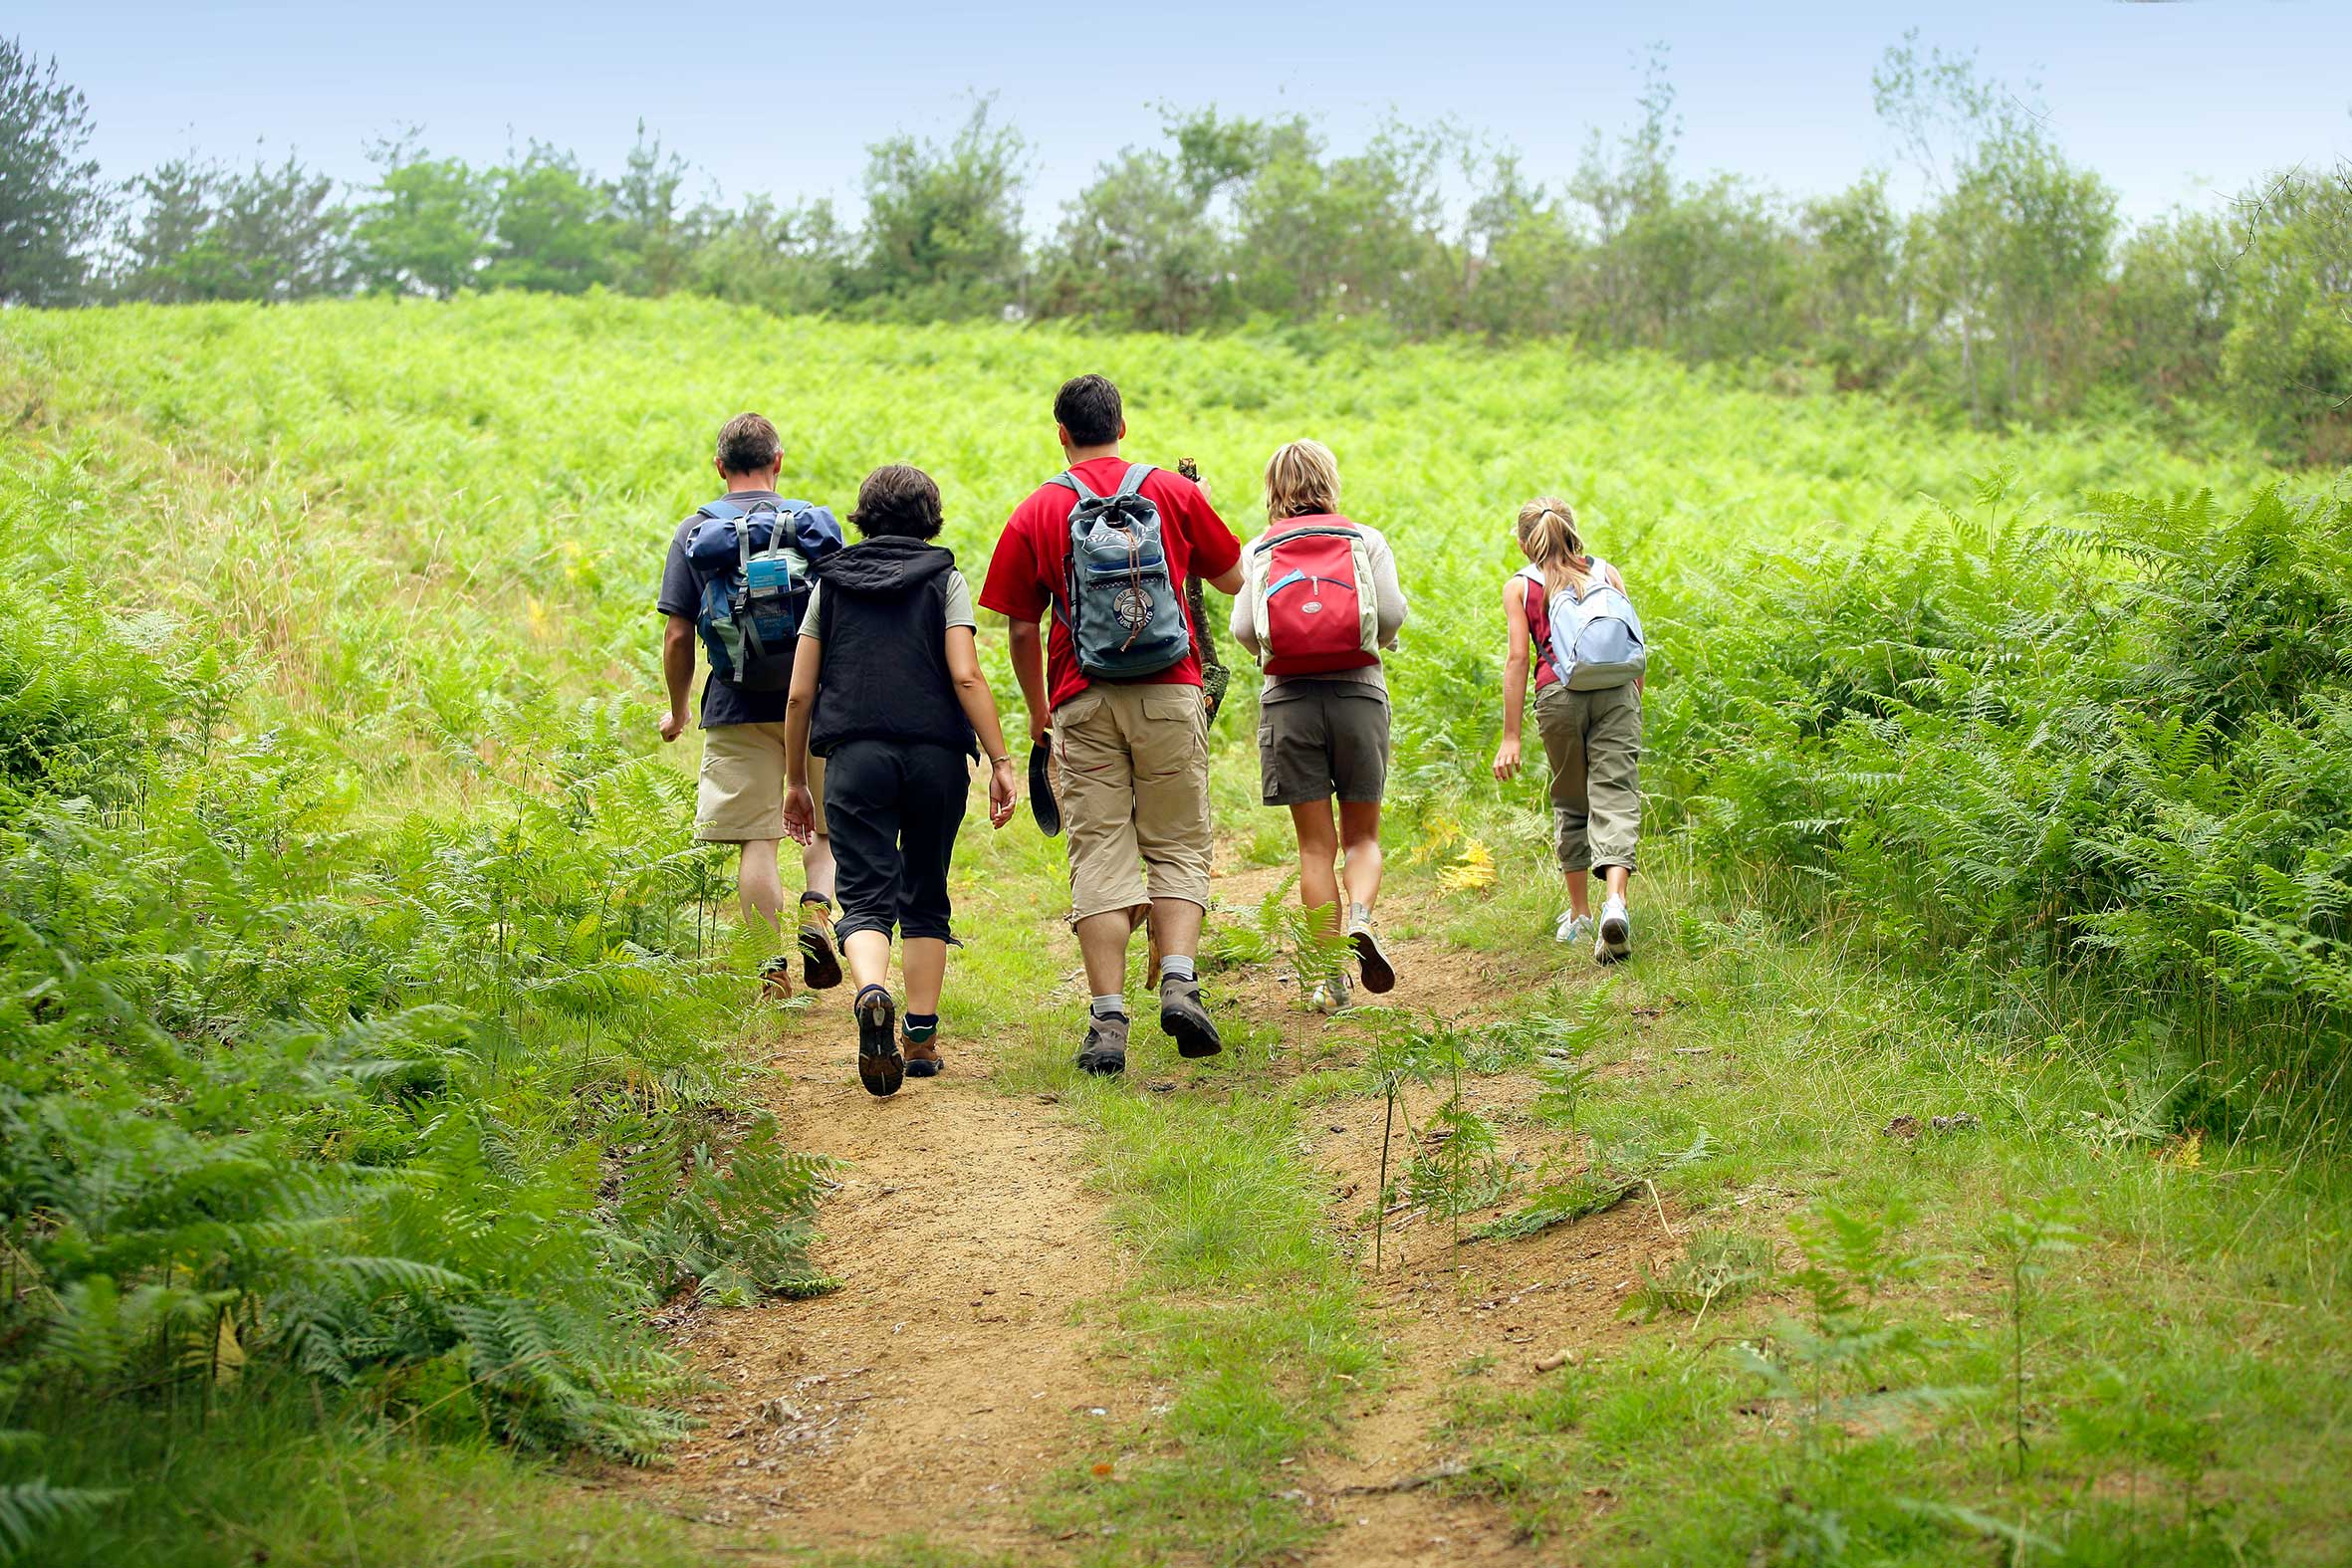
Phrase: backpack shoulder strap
(1133, 482)
(1069, 479)
(721, 509)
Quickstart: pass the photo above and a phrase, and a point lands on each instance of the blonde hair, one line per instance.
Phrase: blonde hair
(1301, 479)
(1547, 537)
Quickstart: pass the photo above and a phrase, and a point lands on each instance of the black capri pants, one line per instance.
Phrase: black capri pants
(895, 808)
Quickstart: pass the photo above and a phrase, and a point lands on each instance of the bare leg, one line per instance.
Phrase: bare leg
(1177, 921)
(1318, 849)
(1579, 900)
(924, 959)
(817, 865)
(1620, 880)
(1359, 830)
(869, 958)
(1102, 943)
(758, 887)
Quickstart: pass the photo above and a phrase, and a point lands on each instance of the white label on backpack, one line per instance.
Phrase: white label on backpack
(1311, 607)
(1133, 609)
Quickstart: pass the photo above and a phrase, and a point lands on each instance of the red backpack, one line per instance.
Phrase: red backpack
(1315, 608)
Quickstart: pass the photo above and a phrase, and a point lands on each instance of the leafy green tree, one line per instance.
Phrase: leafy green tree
(552, 228)
(943, 223)
(2173, 292)
(790, 260)
(1855, 303)
(204, 234)
(428, 229)
(656, 237)
(51, 201)
(2288, 355)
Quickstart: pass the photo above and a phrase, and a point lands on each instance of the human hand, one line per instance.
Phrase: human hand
(800, 813)
(1003, 792)
(673, 724)
(1039, 726)
(1506, 759)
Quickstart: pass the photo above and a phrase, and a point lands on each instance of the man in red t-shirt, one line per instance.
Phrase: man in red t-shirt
(1133, 754)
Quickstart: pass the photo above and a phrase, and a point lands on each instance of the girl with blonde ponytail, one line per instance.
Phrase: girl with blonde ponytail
(1592, 739)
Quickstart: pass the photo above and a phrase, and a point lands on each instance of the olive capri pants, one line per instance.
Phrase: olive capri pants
(1593, 741)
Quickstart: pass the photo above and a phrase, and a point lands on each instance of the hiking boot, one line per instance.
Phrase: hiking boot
(1186, 1022)
(1615, 942)
(1380, 976)
(922, 1055)
(1573, 928)
(1105, 1050)
(776, 980)
(880, 1067)
(821, 967)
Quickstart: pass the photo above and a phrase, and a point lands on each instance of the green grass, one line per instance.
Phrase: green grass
(420, 545)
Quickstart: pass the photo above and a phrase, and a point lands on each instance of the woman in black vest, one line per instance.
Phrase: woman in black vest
(887, 690)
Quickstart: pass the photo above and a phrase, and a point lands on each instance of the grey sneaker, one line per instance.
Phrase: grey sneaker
(1187, 1022)
(1333, 994)
(1105, 1050)
(1573, 928)
(1615, 942)
(1379, 975)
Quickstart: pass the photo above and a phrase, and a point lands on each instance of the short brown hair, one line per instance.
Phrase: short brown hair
(1087, 406)
(1302, 480)
(749, 444)
(897, 498)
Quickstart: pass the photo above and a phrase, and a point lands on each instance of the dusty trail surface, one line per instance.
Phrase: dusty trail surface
(935, 1389)
(947, 1381)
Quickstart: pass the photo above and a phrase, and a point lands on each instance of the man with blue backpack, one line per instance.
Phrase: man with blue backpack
(737, 580)
(1099, 554)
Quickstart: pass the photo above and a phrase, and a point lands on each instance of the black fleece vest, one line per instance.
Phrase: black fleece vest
(884, 675)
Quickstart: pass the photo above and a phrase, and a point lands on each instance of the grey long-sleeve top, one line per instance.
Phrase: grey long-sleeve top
(1389, 609)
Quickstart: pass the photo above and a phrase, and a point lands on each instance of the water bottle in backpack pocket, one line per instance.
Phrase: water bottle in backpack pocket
(1316, 611)
(755, 565)
(1596, 640)
(1124, 612)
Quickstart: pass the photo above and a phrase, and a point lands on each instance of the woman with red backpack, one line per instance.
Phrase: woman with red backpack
(1570, 616)
(1320, 600)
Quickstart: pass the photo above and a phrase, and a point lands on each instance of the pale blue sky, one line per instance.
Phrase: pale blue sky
(2172, 103)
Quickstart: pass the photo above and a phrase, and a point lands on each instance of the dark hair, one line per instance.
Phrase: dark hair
(897, 498)
(1087, 406)
(748, 444)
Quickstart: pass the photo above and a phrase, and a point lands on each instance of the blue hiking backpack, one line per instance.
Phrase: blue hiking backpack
(1595, 636)
(1125, 613)
(755, 567)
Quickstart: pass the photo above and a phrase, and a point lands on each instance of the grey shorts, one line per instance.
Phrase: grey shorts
(1321, 738)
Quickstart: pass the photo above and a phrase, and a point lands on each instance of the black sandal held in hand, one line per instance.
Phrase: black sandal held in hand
(881, 1065)
(1041, 803)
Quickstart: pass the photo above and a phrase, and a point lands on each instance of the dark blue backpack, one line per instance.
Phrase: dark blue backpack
(755, 566)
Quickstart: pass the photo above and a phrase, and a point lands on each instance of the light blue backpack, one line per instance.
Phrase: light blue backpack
(1596, 640)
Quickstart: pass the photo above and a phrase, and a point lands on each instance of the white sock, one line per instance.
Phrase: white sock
(1177, 966)
(1113, 1005)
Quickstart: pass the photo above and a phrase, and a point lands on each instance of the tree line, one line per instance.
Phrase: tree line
(2010, 288)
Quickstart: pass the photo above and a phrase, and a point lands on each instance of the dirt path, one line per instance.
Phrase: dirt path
(1454, 1326)
(943, 1384)
(944, 1380)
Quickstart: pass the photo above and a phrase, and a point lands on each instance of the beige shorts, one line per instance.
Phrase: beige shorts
(1134, 792)
(740, 797)
(1593, 741)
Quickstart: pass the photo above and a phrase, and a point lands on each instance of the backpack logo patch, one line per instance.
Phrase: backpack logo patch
(1132, 608)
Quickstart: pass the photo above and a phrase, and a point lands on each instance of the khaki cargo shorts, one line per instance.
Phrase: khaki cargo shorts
(740, 797)
(1135, 767)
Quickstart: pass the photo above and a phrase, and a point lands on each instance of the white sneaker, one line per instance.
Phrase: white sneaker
(1332, 995)
(1615, 940)
(1572, 926)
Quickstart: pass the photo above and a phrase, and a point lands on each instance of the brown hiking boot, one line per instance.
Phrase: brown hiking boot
(820, 966)
(922, 1055)
(1105, 1050)
(1185, 1020)
(776, 980)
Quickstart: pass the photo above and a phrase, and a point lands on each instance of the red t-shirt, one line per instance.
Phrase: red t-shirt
(1027, 570)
